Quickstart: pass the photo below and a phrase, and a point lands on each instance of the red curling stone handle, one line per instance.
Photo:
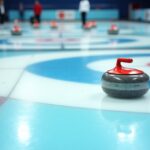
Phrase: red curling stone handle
(126, 60)
(123, 70)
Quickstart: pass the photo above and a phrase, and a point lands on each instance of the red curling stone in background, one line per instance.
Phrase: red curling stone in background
(88, 25)
(124, 82)
(16, 30)
(36, 24)
(114, 30)
(53, 24)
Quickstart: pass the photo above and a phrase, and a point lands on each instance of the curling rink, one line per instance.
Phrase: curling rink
(50, 88)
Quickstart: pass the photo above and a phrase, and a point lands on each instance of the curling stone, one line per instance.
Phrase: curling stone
(16, 30)
(53, 24)
(88, 26)
(124, 82)
(36, 25)
(113, 30)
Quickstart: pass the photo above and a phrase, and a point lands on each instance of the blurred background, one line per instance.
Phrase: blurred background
(100, 9)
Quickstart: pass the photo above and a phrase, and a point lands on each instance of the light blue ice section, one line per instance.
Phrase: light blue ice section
(33, 126)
